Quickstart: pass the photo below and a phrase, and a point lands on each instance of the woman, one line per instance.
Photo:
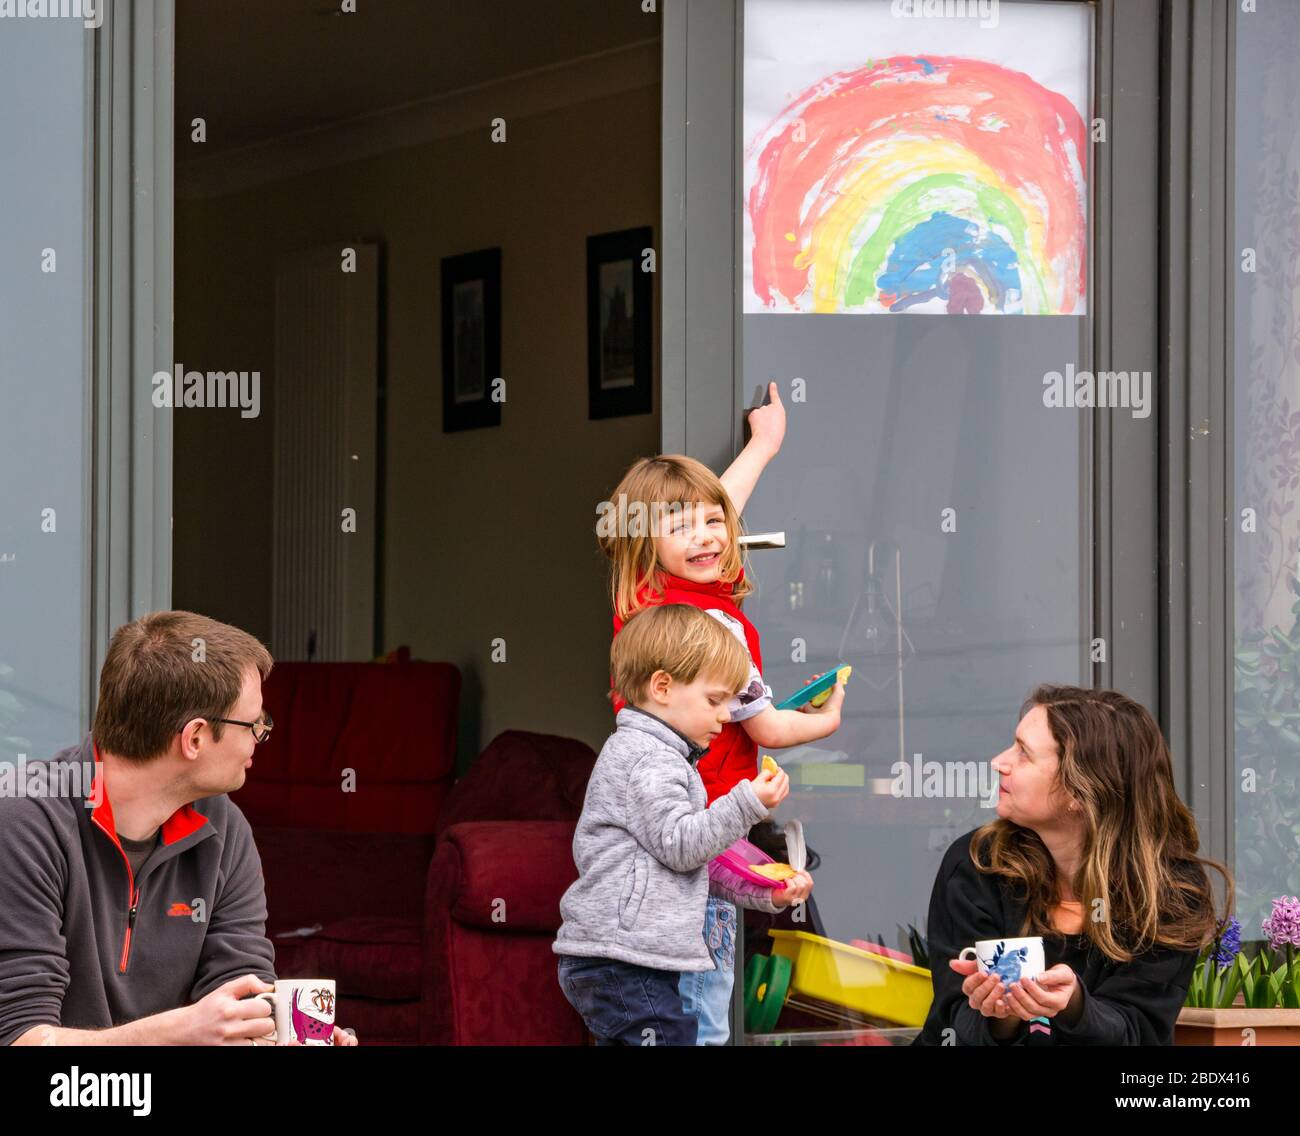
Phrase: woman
(1092, 850)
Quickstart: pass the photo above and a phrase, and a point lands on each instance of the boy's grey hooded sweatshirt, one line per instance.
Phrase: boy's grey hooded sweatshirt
(642, 847)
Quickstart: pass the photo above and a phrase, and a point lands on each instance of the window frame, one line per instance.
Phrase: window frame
(129, 311)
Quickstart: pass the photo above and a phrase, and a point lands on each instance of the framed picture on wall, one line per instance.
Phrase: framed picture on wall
(619, 324)
(471, 339)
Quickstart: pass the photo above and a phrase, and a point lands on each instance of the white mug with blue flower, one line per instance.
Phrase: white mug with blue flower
(1010, 959)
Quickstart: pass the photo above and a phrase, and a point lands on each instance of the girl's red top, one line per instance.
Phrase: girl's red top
(733, 756)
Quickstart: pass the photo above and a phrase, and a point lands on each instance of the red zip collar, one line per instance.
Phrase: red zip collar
(184, 821)
(180, 824)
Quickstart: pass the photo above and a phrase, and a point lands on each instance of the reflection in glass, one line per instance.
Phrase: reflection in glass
(1266, 445)
(44, 442)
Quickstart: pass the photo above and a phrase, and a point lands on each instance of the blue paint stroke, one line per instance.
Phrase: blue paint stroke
(914, 272)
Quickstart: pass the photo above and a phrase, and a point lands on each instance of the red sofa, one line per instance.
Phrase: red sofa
(353, 864)
(504, 858)
(434, 906)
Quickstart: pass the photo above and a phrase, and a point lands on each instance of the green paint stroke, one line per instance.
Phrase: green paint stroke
(906, 211)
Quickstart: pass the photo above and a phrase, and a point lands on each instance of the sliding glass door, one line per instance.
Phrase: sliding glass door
(45, 456)
(85, 319)
(918, 244)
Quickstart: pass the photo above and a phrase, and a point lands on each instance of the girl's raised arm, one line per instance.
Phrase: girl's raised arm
(766, 433)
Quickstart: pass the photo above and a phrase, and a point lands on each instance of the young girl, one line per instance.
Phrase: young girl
(688, 553)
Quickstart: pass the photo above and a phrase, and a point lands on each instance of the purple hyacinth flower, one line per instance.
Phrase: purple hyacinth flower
(1228, 942)
(1283, 926)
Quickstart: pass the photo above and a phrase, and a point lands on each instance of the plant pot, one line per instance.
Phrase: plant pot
(1226, 1027)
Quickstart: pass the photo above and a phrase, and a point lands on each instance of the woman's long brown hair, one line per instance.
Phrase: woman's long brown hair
(1140, 879)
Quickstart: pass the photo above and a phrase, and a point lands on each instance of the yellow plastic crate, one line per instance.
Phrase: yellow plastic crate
(841, 975)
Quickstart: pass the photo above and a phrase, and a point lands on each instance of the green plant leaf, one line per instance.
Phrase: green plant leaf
(1232, 983)
(1259, 987)
(1275, 989)
(1245, 976)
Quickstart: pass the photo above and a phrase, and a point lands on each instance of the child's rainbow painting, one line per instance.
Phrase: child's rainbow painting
(914, 182)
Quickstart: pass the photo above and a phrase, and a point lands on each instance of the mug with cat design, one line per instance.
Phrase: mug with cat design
(304, 1010)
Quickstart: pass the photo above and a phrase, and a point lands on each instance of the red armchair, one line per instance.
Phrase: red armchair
(504, 858)
(353, 864)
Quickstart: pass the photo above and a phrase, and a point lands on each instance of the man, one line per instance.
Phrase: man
(133, 910)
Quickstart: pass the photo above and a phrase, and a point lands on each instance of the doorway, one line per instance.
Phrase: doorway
(423, 132)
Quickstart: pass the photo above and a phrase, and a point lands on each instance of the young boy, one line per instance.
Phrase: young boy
(634, 919)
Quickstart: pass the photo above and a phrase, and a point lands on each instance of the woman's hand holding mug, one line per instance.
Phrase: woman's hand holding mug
(1046, 996)
(1008, 978)
(997, 965)
(984, 991)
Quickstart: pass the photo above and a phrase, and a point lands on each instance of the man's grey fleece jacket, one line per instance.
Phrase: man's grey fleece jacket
(642, 847)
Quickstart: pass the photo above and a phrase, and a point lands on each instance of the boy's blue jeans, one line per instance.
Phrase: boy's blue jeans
(706, 994)
(625, 1004)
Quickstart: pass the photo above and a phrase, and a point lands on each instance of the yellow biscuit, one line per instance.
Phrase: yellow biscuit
(841, 677)
(775, 872)
(769, 764)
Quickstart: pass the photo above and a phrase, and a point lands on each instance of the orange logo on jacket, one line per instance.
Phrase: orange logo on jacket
(180, 909)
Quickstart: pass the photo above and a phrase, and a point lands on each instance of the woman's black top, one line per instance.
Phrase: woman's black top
(1132, 1003)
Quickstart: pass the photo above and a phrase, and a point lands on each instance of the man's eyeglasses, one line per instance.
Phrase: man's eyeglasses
(261, 730)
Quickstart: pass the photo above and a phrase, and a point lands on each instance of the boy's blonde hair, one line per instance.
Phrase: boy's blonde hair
(681, 640)
(655, 485)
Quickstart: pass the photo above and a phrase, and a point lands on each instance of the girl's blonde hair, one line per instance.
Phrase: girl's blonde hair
(681, 640)
(650, 488)
(1139, 878)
